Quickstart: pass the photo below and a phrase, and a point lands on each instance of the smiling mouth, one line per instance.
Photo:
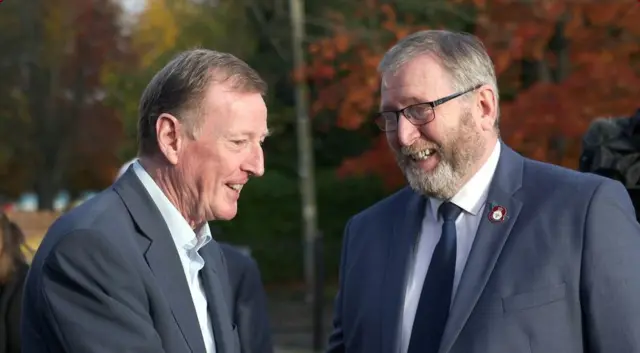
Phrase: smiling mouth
(422, 155)
(235, 187)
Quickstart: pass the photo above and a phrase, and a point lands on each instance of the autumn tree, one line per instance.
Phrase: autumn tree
(343, 72)
(60, 128)
(560, 64)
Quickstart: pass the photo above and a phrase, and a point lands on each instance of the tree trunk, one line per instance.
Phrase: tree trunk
(46, 191)
(559, 46)
(38, 93)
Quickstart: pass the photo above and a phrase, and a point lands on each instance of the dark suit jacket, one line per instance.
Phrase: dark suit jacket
(251, 314)
(10, 304)
(559, 275)
(107, 278)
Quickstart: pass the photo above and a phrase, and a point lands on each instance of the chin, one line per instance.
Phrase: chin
(226, 213)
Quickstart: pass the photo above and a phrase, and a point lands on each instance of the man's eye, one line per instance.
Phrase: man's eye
(420, 111)
(240, 142)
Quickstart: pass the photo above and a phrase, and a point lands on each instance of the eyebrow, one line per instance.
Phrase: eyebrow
(252, 134)
(405, 102)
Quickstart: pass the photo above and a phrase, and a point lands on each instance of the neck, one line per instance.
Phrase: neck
(168, 180)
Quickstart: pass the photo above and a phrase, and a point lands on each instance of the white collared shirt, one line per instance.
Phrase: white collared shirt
(471, 199)
(188, 243)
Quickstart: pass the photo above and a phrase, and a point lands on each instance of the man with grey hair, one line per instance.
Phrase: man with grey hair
(485, 251)
(135, 268)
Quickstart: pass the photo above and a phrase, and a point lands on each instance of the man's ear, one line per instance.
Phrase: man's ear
(170, 137)
(488, 106)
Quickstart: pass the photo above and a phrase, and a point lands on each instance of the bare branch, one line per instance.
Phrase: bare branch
(262, 22)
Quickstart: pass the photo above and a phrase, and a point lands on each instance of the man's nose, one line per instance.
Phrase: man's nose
(407, 132)
(254, 165)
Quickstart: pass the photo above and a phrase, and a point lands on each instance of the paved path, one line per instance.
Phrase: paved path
(291, 323)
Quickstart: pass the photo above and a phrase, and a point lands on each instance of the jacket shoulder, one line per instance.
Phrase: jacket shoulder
(549, 176)
(385, 208)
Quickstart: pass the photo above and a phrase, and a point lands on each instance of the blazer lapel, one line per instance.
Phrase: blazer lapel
(162, 257)
(489, 241)
(400, 246)
(216, 290)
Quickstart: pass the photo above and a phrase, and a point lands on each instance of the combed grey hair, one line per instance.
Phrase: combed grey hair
(462, 55)
(179, 89)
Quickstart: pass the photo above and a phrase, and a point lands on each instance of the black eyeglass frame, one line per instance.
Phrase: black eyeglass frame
(381, 121)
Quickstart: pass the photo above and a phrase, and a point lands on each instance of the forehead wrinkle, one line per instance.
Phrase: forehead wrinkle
(421, 76)
(404, 93)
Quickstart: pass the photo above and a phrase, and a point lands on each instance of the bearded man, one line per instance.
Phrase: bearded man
(486, 251)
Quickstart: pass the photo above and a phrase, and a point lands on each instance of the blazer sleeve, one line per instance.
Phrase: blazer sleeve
(252, 315)
(610, 278)
(336, 338)
(92, 300)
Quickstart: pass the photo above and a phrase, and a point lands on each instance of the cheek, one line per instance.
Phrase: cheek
(204, 166)
(222, 167)
(434, 132)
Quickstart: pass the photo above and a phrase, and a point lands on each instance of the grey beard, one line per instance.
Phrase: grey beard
(441, 183)
(464, 150)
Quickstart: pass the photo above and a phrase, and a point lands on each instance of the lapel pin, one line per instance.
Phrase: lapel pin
(497, 214)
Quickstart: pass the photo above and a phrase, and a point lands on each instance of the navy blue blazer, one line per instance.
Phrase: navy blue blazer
(107, 278)
(560, 274)
(251, 313)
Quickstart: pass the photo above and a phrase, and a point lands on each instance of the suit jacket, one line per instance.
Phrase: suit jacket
(251, 314)
(107, 278)
(559, 274)
(10, 304)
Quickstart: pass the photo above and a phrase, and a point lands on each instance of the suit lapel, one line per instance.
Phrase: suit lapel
(162, 257)
(401, 246)
(489, 241)
(215, 287)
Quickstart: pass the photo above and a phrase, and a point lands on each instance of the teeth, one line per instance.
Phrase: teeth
(422, 155)
(236, 187)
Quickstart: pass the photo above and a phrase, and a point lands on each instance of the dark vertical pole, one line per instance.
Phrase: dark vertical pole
(318, 302)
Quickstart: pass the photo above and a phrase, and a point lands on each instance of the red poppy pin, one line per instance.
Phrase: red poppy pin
(497, 214)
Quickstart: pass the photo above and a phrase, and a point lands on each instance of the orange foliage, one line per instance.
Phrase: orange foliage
(343, 69)
(591, 54)
(378, 160)
(586, 55)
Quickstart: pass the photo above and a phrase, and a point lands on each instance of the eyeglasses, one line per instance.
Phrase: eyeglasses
(417, 114)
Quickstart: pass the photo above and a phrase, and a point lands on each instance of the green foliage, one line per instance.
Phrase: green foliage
(223, 27)
(124, 87)
(269, 220)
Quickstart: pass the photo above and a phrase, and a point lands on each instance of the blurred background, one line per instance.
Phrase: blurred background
(72, 72)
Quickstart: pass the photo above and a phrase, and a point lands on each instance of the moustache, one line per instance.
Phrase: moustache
(413, 149)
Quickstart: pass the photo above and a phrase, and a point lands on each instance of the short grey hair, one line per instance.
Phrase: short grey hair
(462, 55)
(180, 86)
